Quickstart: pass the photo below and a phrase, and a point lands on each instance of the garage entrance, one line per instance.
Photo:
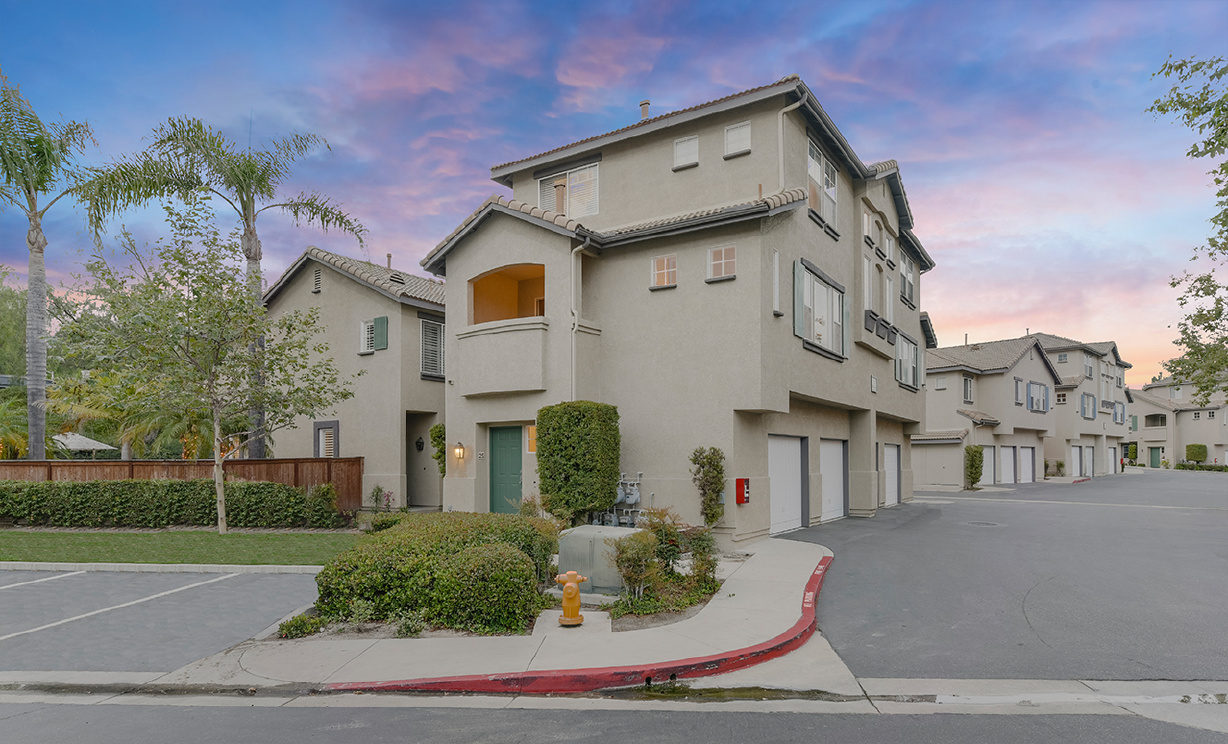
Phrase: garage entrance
(787, 483)
(834, 468)
(891, 468)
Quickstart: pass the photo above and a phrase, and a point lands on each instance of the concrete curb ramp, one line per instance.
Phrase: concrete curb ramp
(598, 678)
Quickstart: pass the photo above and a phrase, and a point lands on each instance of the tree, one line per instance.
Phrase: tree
(37, 158)
(188, 157)
(181, 331)
(1199, 99)
(974, 461)
(12, 325)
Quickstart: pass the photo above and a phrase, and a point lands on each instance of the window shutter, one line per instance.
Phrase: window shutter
(737, 138)
(1046, 397)
(432, 348)
(582, 192)
(381, 333)
(545, 193)
(845, 331)
(686, 151)
(799, 304)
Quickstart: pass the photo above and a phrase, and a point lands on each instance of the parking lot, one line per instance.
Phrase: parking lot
(1124, 577)
(136, 622)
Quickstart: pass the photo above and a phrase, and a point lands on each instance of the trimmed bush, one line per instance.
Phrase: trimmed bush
(1133, 452)
(439, 443)
(974, 461)
(322, 507)
(487, 589)
(708, 475)
(578, 451)
(1196, 453)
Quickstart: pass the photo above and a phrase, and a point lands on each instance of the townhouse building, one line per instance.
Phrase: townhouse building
(1165, 418)
(389, 325)
(731, 275)
(1090, 405)
(997, 395)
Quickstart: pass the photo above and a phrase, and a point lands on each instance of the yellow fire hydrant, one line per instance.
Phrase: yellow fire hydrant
(571, 598)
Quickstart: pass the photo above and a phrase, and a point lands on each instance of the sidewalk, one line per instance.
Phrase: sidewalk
(765, 610)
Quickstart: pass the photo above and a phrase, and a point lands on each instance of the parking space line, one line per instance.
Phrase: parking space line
(116, 607)
(39, 581)
(1022, 500)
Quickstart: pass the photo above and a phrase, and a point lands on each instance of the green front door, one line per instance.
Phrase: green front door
(1155, 457)
(505, 466)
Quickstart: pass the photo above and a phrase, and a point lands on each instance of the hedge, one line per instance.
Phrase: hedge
(160, 503)
(1196, 452)
(578, 455)
(1199, 466)
(417, 561)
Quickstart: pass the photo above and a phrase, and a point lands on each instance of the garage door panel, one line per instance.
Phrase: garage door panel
(1008, 464)
(833, 469)
(891, 466)
(785, 486)
(1027, 464)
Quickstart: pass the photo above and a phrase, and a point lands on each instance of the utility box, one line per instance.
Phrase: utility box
(583, 550)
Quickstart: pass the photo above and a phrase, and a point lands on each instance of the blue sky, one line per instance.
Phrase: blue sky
(1048, 198)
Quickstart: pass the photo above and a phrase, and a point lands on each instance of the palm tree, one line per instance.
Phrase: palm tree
(188, 158)
(36, 159)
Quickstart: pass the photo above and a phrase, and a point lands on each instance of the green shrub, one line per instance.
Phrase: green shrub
(1196, 452)
(381, 522)
(635, 558)
(708, 475)
(666, 527)
(301, 625)
(410, 623)
(1133, 452)
(1061, 467)
(974, 461)
(439, 442)
(487, 589)
(322, 507)
(702, 546)
(362, 611)
(578, 451)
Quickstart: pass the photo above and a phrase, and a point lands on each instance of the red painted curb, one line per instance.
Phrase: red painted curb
(600, 678)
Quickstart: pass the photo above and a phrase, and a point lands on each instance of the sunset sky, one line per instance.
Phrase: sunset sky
(1048, 198)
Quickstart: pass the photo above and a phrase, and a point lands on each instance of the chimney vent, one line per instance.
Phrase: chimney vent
(560, 196)
(643, 109)
(390, 260)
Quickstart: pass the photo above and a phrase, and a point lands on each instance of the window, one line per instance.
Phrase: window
(1061, 399)
(867, 282)
(1038, 397)
(721, 262)
(967, 388)
(1119, 413)
(1087, 366)
(1061, 358)
(891, 249)
(580, 191)
(373, 335)
(1174, 393)
(906, 362)
(940, 382)
(818, 309)
(908, 279)
(737, 139)
(1018, 391)
(866, 224)
(1087, 406)
(317, 281)
(432, 348)
(686, 152)
(509, 292)
(822, 173)
(1119, 379)
(888, 298)
(665, 271)
(327, 442)
(1210, 414)
(1156, 419)
(1197, 415)
(530, 433)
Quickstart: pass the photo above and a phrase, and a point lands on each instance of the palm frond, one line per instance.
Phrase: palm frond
(316, 209)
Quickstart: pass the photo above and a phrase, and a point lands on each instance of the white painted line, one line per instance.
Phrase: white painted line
(39, 581)
(158, 567)
(1090, 503)
(115, 607)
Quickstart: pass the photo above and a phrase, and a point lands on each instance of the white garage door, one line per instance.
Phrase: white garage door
(1027, 464)
(785, 487)
(988, 472)
(1008, 464)
(1075, 466)
(1113, 462)
(831, 467)
(891, 466)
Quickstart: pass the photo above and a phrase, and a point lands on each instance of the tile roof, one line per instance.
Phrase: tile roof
(394, 281)
(774, 201)
(884, 166)
(927, 436)
(1072, 381)
(983, 357)
(653, 120)
(1050, 342)
(1154, 400)
(978, 417)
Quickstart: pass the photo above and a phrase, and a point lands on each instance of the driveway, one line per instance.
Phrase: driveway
(136, 622)
(1125, 577)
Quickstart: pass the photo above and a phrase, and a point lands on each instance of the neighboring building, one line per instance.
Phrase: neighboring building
(997, 395)
(728, 275)
(391, 324)
(1164, 419)
(1090, 405)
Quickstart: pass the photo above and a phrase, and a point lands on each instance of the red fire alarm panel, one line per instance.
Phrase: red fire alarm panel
(743, 490)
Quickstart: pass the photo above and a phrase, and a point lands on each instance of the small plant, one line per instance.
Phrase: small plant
(381, 498)
(708, 475)
(1046, 466)
(362, 611)
(1164, 463)
(1061, 467)
(666, 527)
(439, 442)
(974, 461)
(635, 558)
(300, 626)
(530, 506)
(410, 623)
(702, 547)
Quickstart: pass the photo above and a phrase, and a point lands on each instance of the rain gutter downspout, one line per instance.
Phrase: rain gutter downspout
(781, 134)
(575, 313)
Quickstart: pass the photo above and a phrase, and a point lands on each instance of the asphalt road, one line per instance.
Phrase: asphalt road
(1125, 577)
(149, 622)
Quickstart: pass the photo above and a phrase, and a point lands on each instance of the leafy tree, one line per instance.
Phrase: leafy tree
(1199, 99)
(12, 326)
(974, 461)
(180, 331)
(37, 159)
(188, 157)
(708, 475)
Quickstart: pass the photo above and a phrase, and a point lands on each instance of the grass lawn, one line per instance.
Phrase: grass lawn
(311, 549)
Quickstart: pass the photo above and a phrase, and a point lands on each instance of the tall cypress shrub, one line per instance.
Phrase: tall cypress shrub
(578, 453)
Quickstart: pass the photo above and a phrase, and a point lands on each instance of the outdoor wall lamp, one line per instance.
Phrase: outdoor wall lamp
(419, 444)
(460, 451)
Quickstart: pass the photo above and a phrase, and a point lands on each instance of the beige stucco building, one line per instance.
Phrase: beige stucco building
(389, 325)
(729, 275)
(1164, 418)
(997, 395)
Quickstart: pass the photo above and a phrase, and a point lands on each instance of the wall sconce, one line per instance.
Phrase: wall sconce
(419, 444)
(459, 451)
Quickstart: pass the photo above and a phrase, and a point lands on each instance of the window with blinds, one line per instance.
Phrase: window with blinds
(326, 440)
(366, 336)
(686, 151)
(737, 139)
(822, 173)
(581, 192)
(432, 348)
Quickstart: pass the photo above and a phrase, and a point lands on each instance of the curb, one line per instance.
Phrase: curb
(600, 678)
(220, 568)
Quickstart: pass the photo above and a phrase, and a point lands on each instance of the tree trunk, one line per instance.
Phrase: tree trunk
(36, 342)
(125, 450)
(251, 248)
(218, 484)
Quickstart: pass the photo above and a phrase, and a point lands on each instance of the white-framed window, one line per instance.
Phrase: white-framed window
(822, 173)
(908, 278)
(1119, 379)
(686, 151)
(940, 382)
(1210, 414)
(432, 348)
(1197, 415)
(818, 311)
(890, 248)
(1087, 366)
(1061, 399)
(1119, 413)
(1174, 392)
(721, 262)
(906, 362)
(366, 336)
(867, 282)
(665, 271)
(581, 191)
(737, 139)
(1018, 391)
(1062, 357)
(1038, 397)
(866, 223)
(968, 391)
(888, 298)
(1087, 406)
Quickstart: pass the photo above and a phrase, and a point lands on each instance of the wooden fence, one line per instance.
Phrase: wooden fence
(345, 473)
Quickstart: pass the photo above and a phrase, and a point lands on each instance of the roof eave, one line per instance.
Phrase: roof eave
(436, 261)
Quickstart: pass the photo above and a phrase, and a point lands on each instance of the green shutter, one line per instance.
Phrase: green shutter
(381, 332)
(799, 311)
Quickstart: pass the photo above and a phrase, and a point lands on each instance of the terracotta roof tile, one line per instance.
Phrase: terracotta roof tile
(984, 357)
(978, 417)
(932, 435)
(394, 281)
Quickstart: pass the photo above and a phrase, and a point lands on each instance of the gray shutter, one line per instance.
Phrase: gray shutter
(432, 348)
(799, 311)
(844, 302)
(381, 332)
